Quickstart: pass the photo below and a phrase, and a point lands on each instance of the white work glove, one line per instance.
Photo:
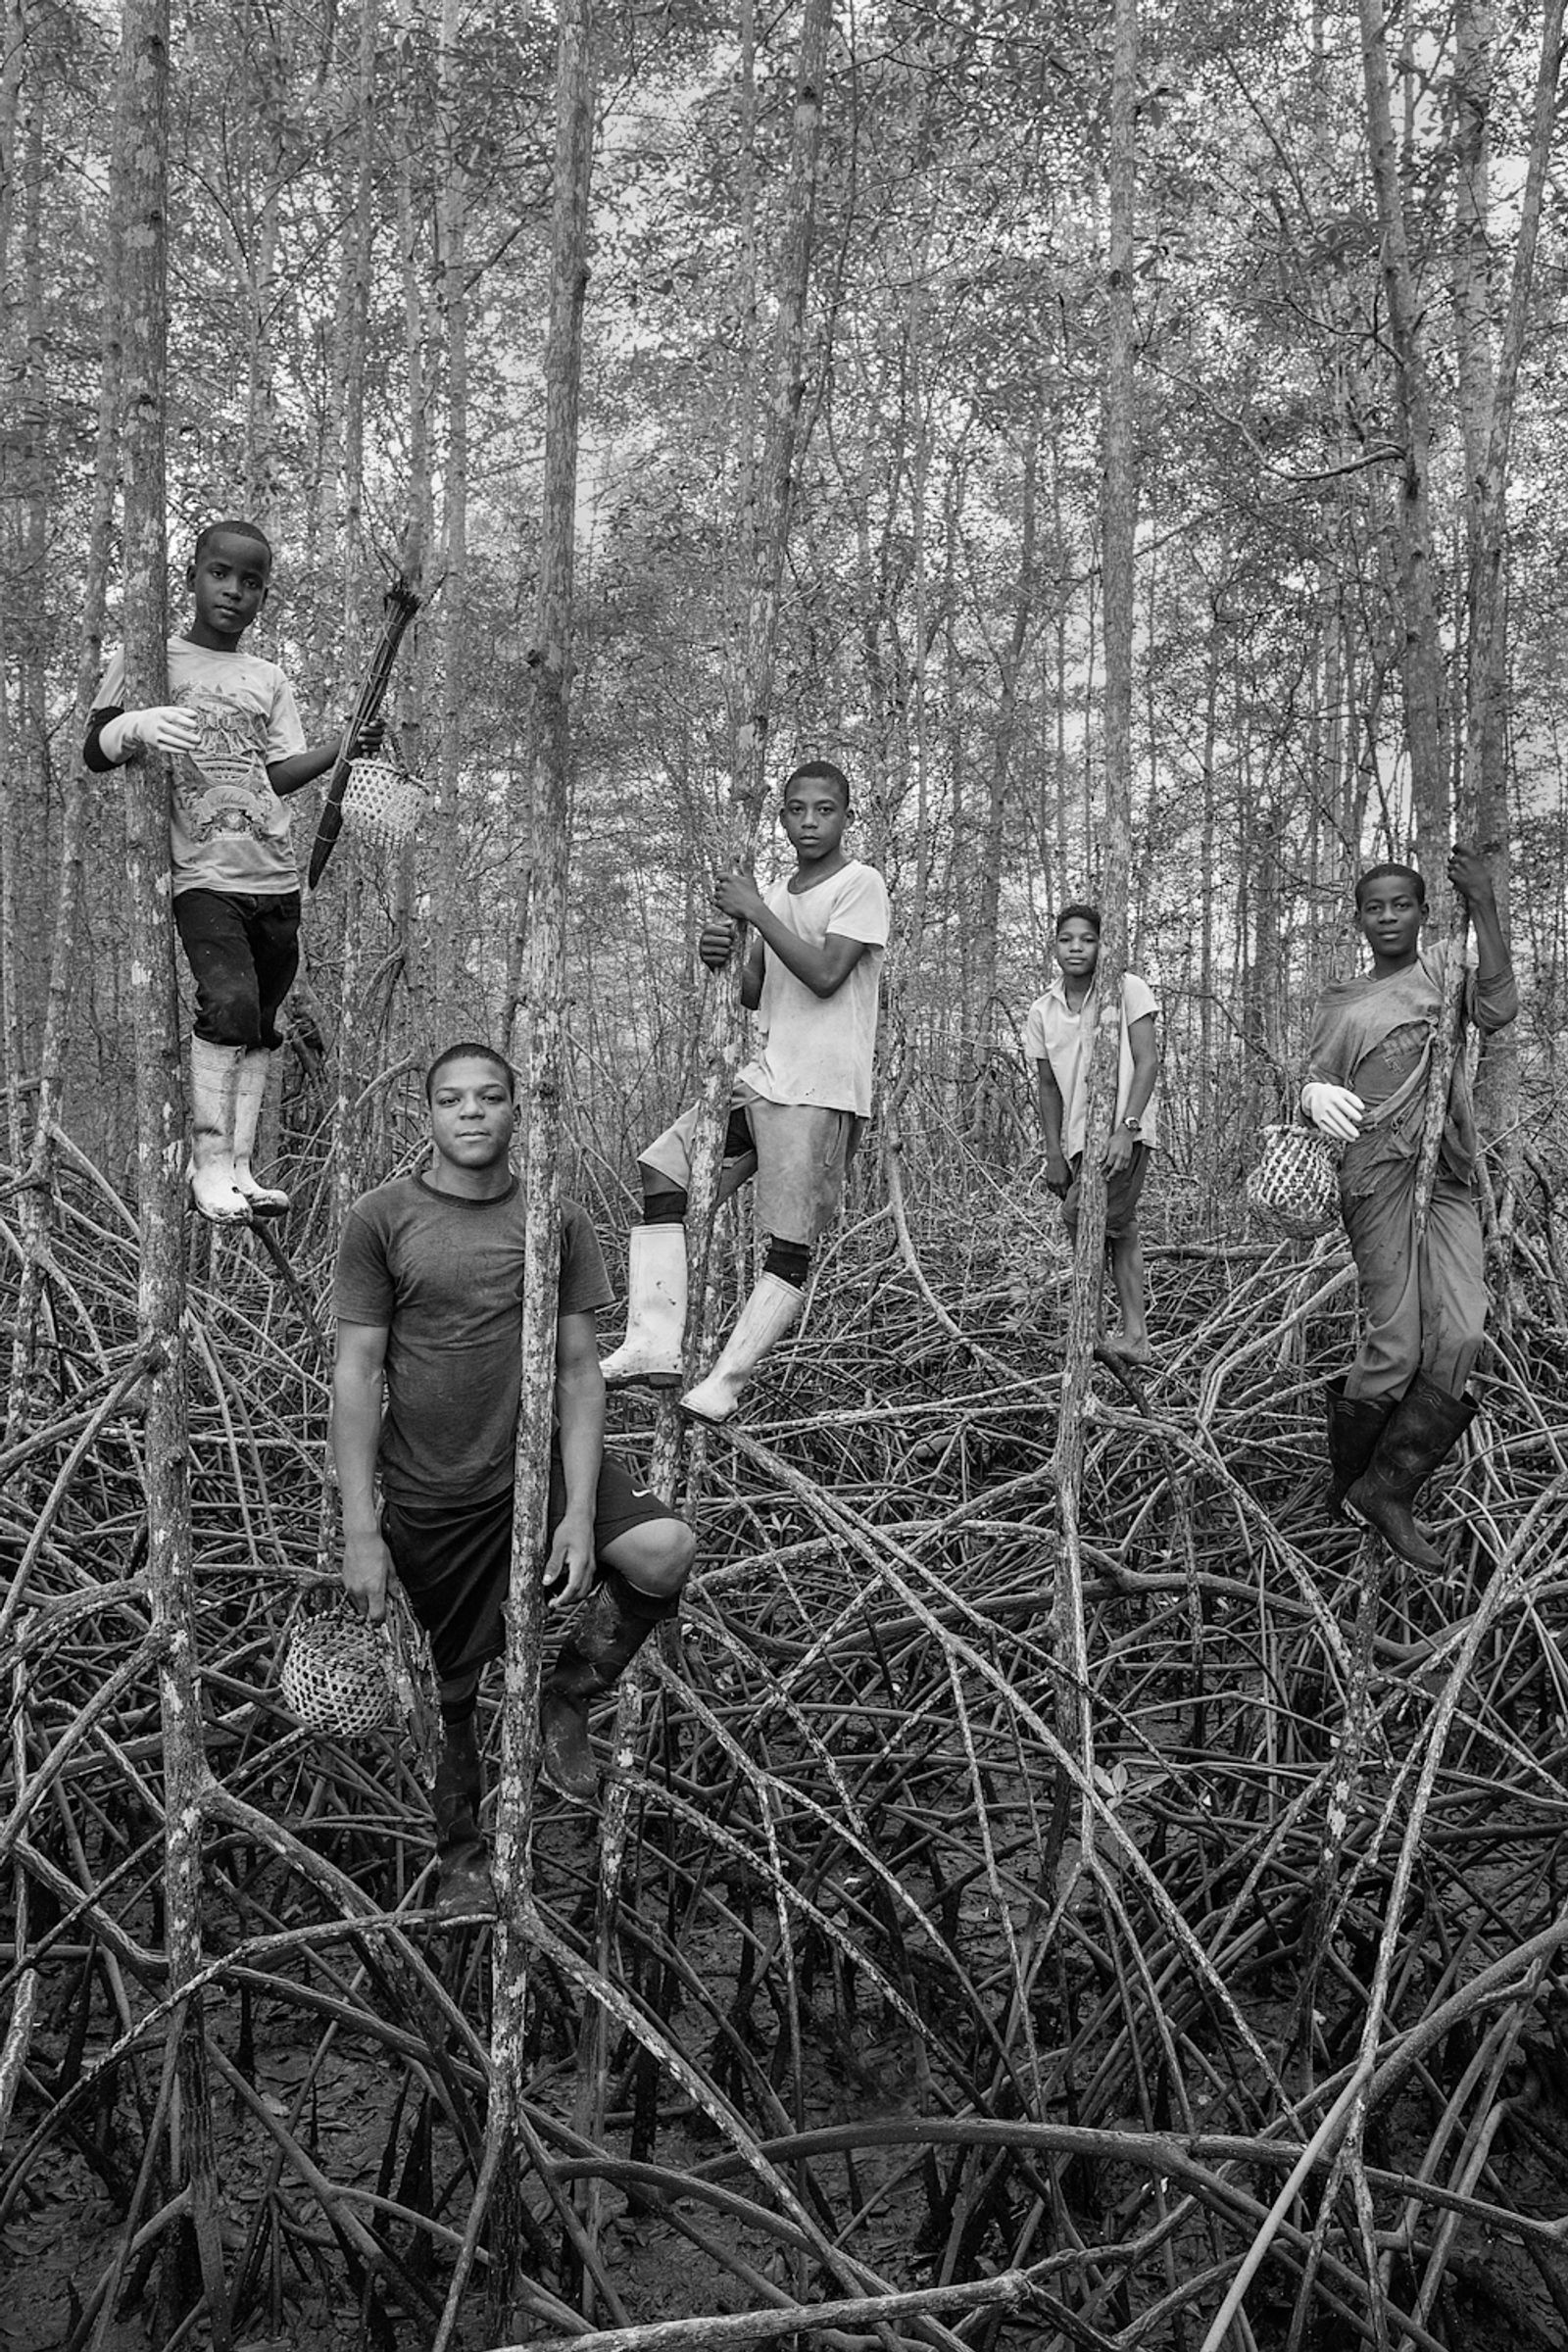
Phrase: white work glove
(161, 727)
(1333, 1110)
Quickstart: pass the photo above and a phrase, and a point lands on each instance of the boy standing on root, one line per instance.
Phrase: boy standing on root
(428, 1297)
(1403, 1406)
(812, 974)
(232, 730)
(1058, 1037)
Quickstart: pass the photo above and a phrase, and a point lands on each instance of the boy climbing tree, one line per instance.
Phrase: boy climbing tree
(233, 733)
(1405, 1404)
(812, 974)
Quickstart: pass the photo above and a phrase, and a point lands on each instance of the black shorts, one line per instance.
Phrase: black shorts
(1123, 1191)
(453, 1561)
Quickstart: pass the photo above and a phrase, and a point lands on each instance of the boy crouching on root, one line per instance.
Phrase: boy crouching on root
(233, 734)
(812, 974)
(428, 1297)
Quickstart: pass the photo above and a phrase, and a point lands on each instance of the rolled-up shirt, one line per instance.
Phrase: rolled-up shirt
(1370, 1034)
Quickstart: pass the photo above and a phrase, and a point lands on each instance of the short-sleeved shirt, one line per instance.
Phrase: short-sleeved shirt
(229, 830)
(820, 1049)
(443, 1276)
(1053, 1032)
(1371, 1034)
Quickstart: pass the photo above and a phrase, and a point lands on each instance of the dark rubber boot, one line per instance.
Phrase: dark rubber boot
(1354, 1426)
(1425, 1426)
(616, 1620)
(462, 1866)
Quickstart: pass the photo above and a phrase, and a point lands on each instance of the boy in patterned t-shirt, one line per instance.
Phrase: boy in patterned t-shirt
(811, 975)
(233, 734)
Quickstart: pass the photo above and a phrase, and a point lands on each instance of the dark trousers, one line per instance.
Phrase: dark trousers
(1423, 1310)
(243, 953)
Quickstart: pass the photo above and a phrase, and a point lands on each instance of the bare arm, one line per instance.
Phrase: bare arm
(581, 1413)
(1143, 1041)
(1052, 1107)
(1495, 996)
(355, 1434)
(824, 971)
(302, 768)
(1052, 1110)
(1143, 1037)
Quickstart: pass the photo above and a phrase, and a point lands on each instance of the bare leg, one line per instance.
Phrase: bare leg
(1127, 1267)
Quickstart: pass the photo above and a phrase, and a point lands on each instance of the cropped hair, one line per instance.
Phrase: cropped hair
(1078, 913)
(241, 530)
(826, 770)
(1379, 873)
(469, 1049)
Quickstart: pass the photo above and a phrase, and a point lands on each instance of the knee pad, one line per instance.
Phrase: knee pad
(664, 1209)
(791, 1262)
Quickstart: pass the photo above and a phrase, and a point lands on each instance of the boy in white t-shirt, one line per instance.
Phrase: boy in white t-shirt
(1058, 1037)
(232, 731)
(811, 975)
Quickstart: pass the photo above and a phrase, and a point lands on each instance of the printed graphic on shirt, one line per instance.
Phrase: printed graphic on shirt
(222, 787)
(229, 829)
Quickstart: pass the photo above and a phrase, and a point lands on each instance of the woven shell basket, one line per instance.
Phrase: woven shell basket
(383, 802)
(338, 1676)
(1296, 1181)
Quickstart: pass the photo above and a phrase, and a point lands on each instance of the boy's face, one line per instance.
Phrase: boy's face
(1078, 949)
(813, 814)
(1389, 911)
(228, 584)
(473, 1116)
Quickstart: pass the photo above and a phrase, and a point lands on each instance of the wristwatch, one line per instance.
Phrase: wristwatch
(1133, 1124)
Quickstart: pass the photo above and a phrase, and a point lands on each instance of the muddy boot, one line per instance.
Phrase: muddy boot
(772, 1309)
(214, 1088)
(1354, 1426)
(249, 1094)
(462, 1863)
(1424, 1427)
(655, 1308)
(615, 1622)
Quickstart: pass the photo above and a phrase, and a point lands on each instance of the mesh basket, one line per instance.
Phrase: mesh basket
(1296, 1182)
(384, 803)
(337, 1677)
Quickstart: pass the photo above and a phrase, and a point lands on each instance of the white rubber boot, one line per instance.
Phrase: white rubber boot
(656, 1308)
(213, 1085)
(769, 1313)
(249, 1096)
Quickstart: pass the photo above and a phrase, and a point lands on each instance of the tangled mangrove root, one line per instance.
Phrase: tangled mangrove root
(860, 2018)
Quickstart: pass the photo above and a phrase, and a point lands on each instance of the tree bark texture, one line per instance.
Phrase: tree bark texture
(35, 1209)
(768, 490)
(551, 676)
(1118, 528)
(1426, 694)
(160, 1124)
(1486, 398)
(1486, 405)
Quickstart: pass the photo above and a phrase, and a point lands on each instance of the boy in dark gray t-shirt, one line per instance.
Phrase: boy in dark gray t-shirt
(428, 1297)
